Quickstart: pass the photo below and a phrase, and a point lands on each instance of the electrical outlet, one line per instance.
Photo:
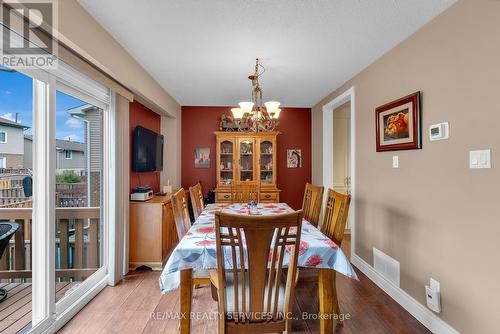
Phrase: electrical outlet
(433, 295)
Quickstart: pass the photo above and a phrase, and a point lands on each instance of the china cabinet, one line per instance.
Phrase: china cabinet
(246, 157)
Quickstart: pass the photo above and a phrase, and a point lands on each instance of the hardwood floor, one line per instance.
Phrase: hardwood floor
(15, 310)
(137, 306)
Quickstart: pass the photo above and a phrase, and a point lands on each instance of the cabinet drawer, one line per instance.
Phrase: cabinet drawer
(223, 197)
(268, 197)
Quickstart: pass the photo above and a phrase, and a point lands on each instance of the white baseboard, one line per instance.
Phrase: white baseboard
(429, 319)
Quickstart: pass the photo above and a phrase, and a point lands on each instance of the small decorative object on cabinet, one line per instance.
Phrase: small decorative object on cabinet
(152, 232)
(246, 157)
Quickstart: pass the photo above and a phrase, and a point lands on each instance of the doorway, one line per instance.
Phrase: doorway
(342, 148)
(339, 147)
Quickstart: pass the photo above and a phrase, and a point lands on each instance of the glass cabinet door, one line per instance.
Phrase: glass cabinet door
(226, 167)
(266, 162)
(246, 154)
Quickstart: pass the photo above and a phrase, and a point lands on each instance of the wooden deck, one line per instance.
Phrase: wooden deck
(15, 311)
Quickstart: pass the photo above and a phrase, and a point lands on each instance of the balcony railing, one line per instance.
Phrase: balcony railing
(16, 171)
(77, 243)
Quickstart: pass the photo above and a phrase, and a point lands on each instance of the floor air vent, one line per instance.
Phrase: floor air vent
(386, 266)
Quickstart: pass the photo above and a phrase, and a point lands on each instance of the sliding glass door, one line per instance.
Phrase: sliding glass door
(56, 190)
(83, 171)
(79, 231)
(16, 199)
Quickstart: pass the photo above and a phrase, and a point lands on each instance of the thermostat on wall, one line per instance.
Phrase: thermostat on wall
(439, 131)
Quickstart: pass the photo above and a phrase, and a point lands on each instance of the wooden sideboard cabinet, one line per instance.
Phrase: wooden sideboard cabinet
(152, 232)
(244, 156)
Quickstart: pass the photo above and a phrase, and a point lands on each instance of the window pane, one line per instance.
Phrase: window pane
(246, 160)
(266, 162)
(79, 165)
(226, 162)
(16, 115)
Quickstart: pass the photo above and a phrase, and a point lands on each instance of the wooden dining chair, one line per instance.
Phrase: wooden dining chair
(335, 216)
(244, 192)
(181, 213)
(332, 226)
(183, 224)
(311, 204)
(197, 201)
(257, 300)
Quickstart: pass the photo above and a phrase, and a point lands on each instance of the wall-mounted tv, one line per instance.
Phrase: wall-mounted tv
(148, 150)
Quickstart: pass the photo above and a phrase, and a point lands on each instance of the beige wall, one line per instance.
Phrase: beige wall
(172, 151)
(435, 215)
(82, 33)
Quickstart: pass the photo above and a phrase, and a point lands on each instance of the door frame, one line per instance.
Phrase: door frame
(348, 96)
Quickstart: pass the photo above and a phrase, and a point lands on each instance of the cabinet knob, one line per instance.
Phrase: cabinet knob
(267, 196)
(226, 196)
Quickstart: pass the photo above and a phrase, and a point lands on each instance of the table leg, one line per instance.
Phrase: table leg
(336, 308)
(186, 296)
(325, 293)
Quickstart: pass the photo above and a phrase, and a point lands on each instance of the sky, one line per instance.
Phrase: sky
(16, 93)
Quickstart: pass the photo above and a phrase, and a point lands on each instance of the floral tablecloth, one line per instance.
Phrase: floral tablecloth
(197, 249)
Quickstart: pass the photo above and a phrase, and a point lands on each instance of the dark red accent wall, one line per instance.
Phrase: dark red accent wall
(199, 124)
(141, 115)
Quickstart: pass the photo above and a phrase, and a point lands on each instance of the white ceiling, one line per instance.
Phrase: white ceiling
(202, 51)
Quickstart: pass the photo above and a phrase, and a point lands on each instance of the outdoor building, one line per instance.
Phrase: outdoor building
(70, 155)
(92, 119)
(11, 143)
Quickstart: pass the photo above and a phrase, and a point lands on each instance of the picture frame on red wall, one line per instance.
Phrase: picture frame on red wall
(294, 158)
(202, 157)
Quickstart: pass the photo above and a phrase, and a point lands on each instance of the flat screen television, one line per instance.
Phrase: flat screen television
(148, 150)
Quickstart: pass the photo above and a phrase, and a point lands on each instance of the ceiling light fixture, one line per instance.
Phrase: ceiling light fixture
(254, 116)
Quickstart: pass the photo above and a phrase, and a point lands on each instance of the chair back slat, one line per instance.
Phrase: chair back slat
(311, 204)
(181, 213)
(264, 240)
(235, 273)
(335, 216)
(196, 195)
(244, 192)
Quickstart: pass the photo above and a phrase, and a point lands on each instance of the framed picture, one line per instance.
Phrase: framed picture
(202, 157)
(294, 158)
(398, 124)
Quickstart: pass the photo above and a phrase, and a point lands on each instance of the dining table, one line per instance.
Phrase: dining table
(197, 251)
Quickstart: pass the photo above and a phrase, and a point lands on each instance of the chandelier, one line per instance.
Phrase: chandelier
(254, 116)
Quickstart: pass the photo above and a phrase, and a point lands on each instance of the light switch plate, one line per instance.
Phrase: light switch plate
(395, 161)
(480, 159)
